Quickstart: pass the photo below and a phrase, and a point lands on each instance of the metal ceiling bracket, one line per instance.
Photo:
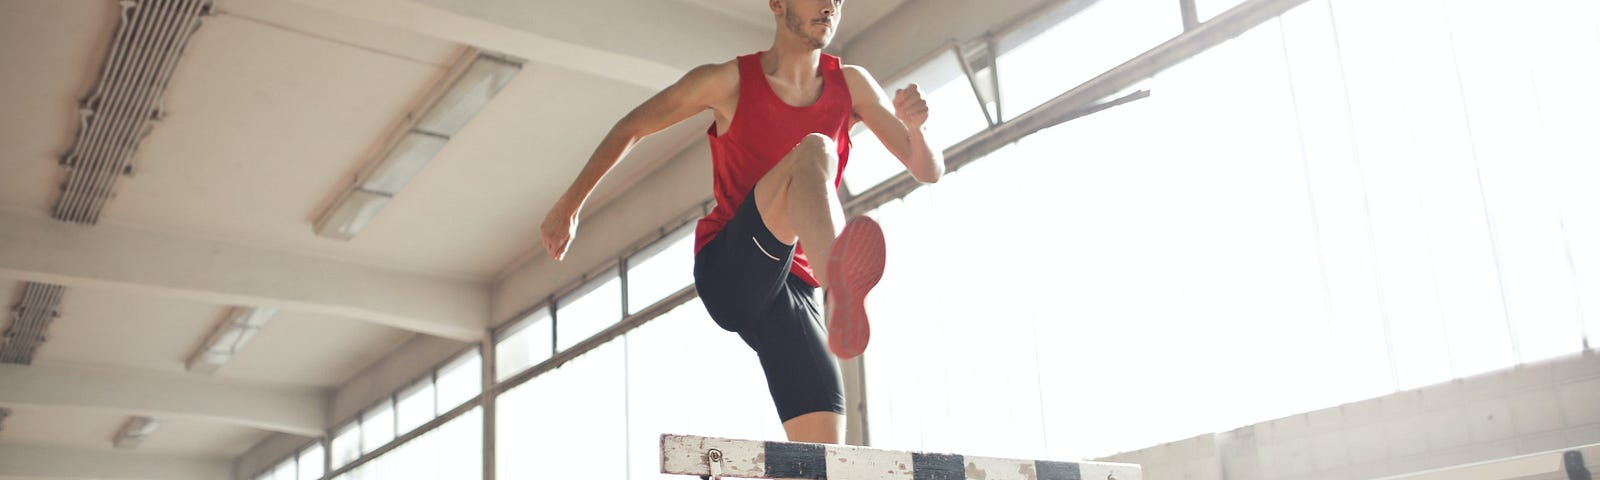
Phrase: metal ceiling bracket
(978, 63)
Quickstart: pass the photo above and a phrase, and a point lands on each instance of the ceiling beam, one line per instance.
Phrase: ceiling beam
(297, 411)
(48, 462)
(677, 34)
(37, 249)
(621, 40)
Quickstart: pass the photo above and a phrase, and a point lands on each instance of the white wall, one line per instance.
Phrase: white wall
(1551, 405)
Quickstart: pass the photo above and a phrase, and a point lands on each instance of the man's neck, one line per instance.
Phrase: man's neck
(791, 60)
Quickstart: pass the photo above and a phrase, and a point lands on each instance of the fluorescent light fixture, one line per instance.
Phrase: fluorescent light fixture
(229, 337)
(472, 82)
(351, 214)
(134, 432)
(403, 162)
(468, 94)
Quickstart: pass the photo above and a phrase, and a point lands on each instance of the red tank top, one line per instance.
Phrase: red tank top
(763, 130)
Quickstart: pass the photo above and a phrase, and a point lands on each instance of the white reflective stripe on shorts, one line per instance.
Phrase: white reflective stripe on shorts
(764, 250)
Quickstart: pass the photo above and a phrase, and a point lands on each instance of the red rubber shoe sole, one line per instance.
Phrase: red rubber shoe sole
(854, 267)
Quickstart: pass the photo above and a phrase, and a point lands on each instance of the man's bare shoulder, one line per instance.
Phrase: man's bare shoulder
(718, 77)
(860, 81)
(855, 73)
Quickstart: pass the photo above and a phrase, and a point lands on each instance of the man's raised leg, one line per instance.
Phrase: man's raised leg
(798, 202)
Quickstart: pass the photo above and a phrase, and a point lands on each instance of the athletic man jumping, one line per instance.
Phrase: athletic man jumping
(778, 150)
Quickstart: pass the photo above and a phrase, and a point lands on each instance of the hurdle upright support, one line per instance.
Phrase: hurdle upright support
(718, 458)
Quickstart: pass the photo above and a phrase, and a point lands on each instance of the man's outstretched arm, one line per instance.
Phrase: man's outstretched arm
(899, 129)
(696, 91)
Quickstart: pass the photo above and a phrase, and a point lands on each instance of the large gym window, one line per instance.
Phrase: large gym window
(414, 405)
(451, 451)
(525, 344)
(1101, 36)
(728, 397)
(310, 462)
(459, 381)
(377, 426)
(588, 310)
(661, 269)
(1307, 215)
(346, 445)
(566, 423)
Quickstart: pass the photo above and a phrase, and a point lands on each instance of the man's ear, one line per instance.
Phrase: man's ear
(776, 6)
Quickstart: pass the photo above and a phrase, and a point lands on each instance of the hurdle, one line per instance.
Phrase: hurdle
(717, 458)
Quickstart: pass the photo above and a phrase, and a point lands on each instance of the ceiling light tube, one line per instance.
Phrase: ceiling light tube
(230, 335)
(134, 432)
(468, 94)
(471, 82)
(403, 161)
(351, 214)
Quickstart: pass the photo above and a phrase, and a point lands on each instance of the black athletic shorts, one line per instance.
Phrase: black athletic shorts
(744, 281)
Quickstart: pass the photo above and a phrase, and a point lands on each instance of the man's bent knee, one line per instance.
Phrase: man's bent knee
(820, 151)
(816, 141)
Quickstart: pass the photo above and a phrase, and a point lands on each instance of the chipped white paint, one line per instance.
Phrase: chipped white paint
(846, 461)
(986, 468)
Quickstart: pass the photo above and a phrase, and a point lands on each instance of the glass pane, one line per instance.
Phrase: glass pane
(377, 426)
(662, 269)
(310, 463)
(528, 344)
(1102, 36)
(566, 423)
(459, 381)
(415, 406)
(1207, 9)
(284, 471)
(870, 162)
(959, 114)
(588, 310)
(347, 445)
(458, 447)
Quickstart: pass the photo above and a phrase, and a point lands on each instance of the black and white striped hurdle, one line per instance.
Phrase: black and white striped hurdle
(727, 458)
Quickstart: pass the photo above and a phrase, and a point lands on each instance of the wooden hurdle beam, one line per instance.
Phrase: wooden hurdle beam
(718, 458)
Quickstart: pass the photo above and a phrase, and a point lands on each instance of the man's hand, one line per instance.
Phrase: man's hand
(560, 225)
(910, 107)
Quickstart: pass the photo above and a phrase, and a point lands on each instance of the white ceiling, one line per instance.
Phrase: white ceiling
(273, 108)
(87, 429)
(294, 348)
